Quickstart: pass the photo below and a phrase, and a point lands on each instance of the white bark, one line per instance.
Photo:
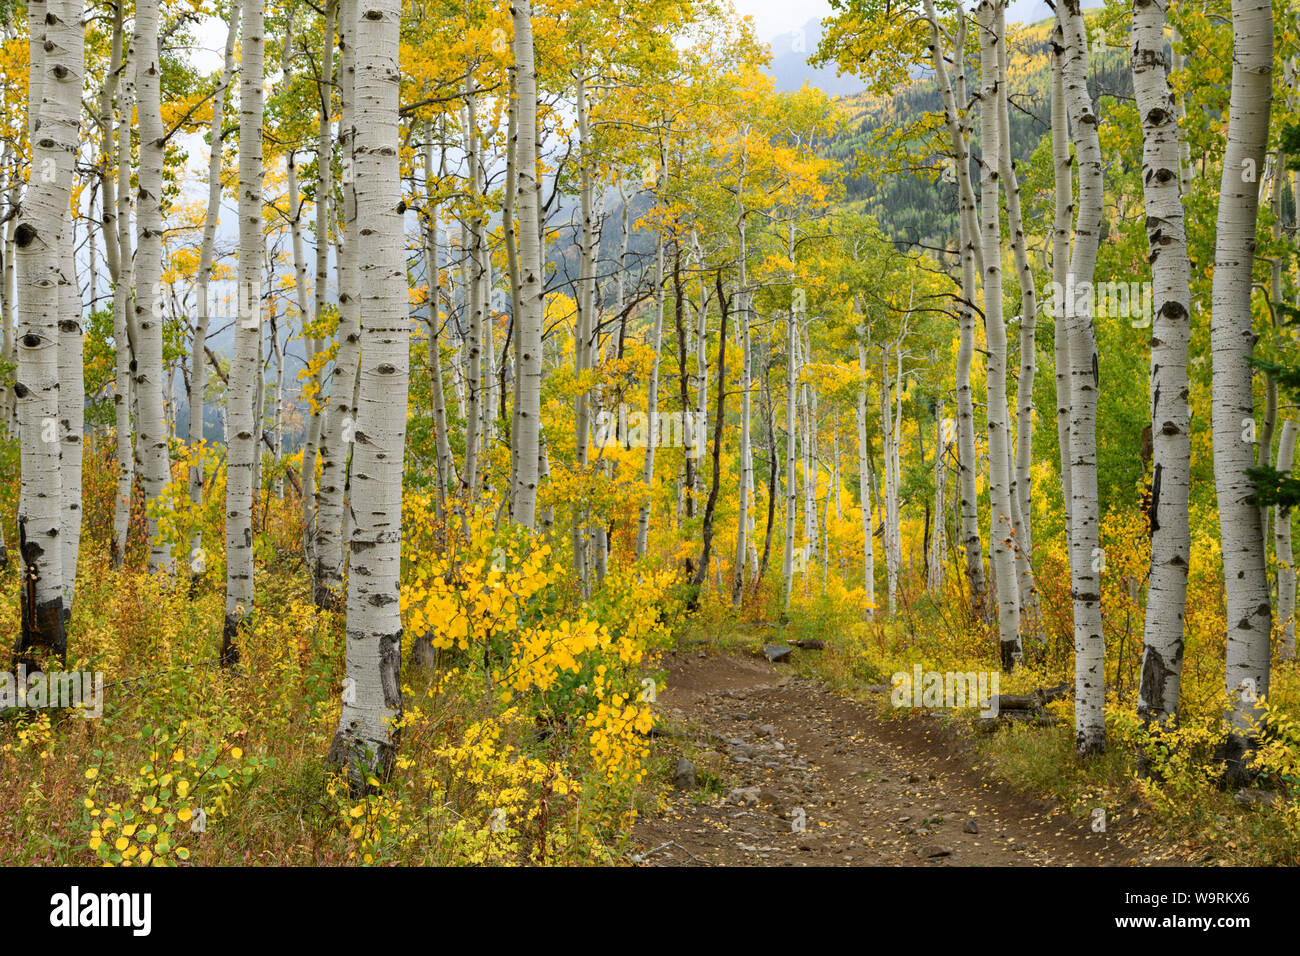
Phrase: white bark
(433, 273)
(864, 484)
(1282, 543)
(746, 460)
(471, 274)
(242, 447)
(339, 429)
(199, 361)
(1232, 342)
(1019, 464)
(1002, 528)
(1086, 560)
(1162, 653)
(365, 741)
(652, 403)
(123, 320)
(528, 322)
(151, 440)
(1062, 226)
(44, 226)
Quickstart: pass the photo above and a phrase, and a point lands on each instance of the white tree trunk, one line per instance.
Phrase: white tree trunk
(652, 405)
(365, 741)
(72, 410)
(339, 429)
(864, 484)
(152, 446)
(1162, 652)
(1232, 343)
(44, 226)
(1019, 465)
(198, 364)
(1062, 227)
(433, 274)
(1002, 527)
(124, 320)
(746, 460)
(248, 332)
(528, 323)
(314, 345)
(472, 276)
(1282, 545)
(1086, 559)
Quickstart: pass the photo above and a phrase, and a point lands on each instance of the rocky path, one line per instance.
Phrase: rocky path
(783, 772)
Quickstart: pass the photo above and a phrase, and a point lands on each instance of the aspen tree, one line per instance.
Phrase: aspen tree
(1249, 617)
(339, 428)
(44, 225)
(198, 376)
(1162, 652)
(528, 322)
(248, 333)
(1086, 557)
(324, 204)
(1002, 527)
(1062, 227)
(365, 742)
(124, 337)
(151, 440)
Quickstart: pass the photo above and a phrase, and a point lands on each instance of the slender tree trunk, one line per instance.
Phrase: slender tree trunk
(473, 364)
(124, 321)
(1286, 580)
(652, 402)
(151, 441)
(1162, 650)
(432, 255)
(366, 741)
(1232, 341)
(1019, 465)
(324, 200)
(1002, 528)
(529, 318)
(966, 463)
(1086, 557)
(339, 430)
(198, 376)
(248, 333)
(719, 416)
(72, 409)
(746, 461)
(864, 483)
(1062, 226)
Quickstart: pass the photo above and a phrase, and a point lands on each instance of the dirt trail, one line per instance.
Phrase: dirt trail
(813, 778)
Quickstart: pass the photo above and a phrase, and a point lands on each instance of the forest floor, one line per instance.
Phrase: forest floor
(788, 772)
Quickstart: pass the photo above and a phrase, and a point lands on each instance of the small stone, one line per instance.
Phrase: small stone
(933, 850)
(684, 775)
(765, 730)
(776, 653)
(970, 826)
(743, 796)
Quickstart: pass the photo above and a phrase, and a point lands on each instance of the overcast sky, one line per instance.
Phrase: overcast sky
(782, 16)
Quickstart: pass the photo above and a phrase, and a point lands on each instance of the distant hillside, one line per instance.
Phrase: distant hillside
(915, 207)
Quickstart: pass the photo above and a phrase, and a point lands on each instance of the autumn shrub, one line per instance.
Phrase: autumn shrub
(523, 742)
